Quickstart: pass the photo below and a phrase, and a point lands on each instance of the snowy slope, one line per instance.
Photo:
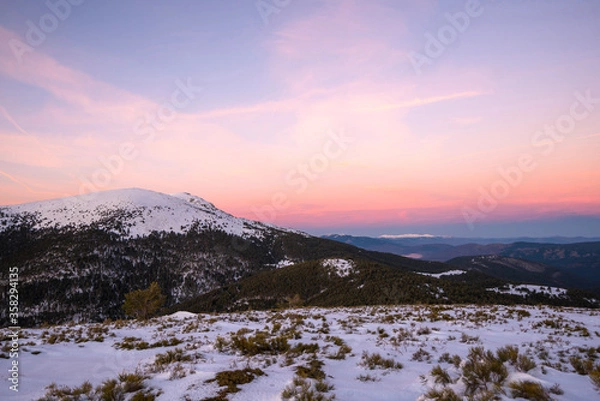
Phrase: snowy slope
(523, 290)
(341, 267)
(448, 273)
(418, 337)
(133, 212)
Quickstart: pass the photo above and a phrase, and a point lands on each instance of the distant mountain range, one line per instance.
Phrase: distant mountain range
(77, 258)
(570, 262)
(405, 242)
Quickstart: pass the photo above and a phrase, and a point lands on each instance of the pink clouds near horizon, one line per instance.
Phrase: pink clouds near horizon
(419, 149)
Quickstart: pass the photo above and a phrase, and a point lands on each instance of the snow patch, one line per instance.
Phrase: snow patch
(182, 315)
(413, 256)
(524, 290)
(447, 273)
(284, 263)
(341, 267)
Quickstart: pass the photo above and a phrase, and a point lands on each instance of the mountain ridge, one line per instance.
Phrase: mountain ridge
(77, 258)
(140, 212)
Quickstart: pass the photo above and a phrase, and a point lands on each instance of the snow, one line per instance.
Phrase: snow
(436, 330)
(182, 315)
(284, 263)
(141, 212)
(523, 290)
(341, 267)
(446, 273)
(413, 256)
(402, 236)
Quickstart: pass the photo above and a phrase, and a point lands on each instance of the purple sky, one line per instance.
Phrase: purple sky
(368, 117)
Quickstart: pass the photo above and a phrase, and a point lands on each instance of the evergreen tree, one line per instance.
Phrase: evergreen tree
(142, 304)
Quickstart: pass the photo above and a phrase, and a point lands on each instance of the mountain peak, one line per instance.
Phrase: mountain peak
(195, 200)
(131, 212)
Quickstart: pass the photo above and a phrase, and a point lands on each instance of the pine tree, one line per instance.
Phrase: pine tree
(142, 304)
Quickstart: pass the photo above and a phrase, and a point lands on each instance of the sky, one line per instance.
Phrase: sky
(470, 118)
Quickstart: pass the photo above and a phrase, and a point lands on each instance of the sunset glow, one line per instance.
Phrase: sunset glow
(365, 117)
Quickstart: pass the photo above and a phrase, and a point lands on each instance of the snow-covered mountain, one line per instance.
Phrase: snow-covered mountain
(131, 212)
(77, 258)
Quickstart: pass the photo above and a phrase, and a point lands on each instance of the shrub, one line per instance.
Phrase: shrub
(595, 377)
(302, 390)
(454, 359)
(529, 390)
(483, 372)
(423, 331)
(467, 339)
(178, 372)
(302, 348)
(109, 390)
(555, 389)
(335, 340)
(260, 343)
(232, 378)
(524, 363)
(368, 378)
(143, 396)
(441, 375)
(130, 343)
(132, 382)
(312, 371)
(510, 353)
(376, 361)
(341, 352)
(421, 356)
(54, 392)
(445, 394)
(171, 356)
(323, 387)
(581, 366)
(402, 336)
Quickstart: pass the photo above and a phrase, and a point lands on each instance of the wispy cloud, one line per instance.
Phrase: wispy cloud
(418, 102)
(95, 102)
(10, 119)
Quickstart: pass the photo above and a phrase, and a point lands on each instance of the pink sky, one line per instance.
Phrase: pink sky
(419, 148)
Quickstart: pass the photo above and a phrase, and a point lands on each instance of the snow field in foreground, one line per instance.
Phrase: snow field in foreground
(359, 350)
